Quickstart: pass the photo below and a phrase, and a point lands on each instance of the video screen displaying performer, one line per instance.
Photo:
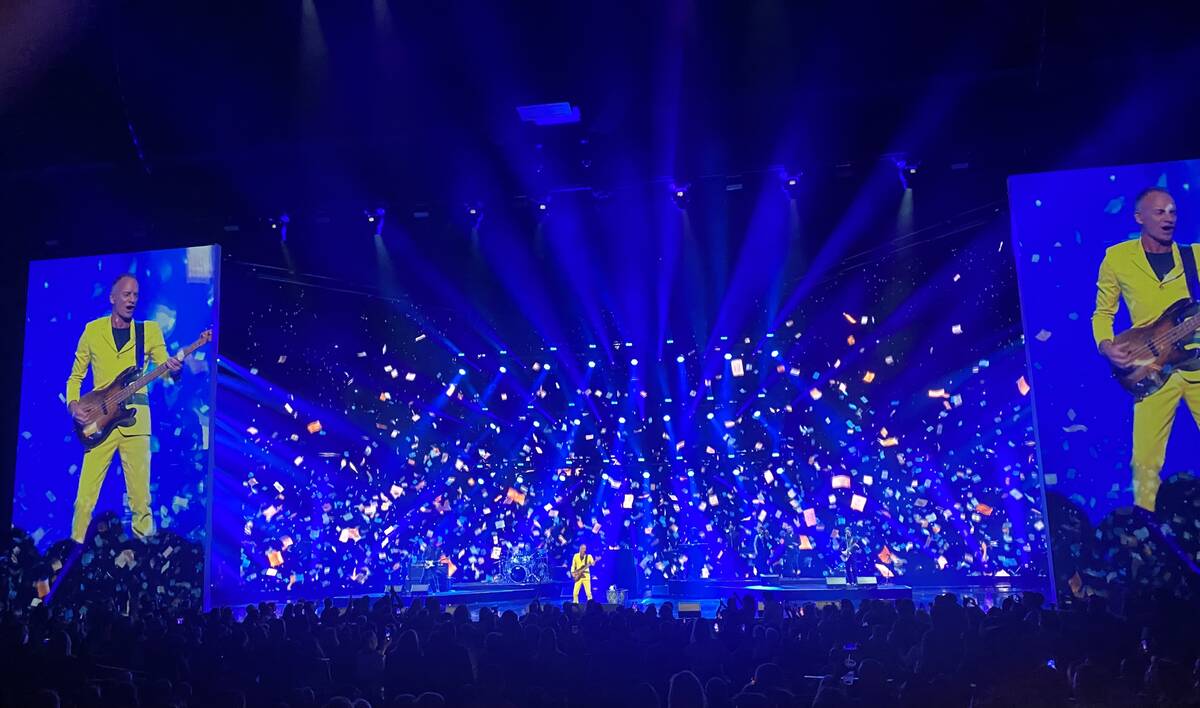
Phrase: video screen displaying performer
(116, 404)
(1112, 250)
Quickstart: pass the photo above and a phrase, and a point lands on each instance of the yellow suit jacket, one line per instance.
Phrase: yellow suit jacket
(582, 564)
(1126, 272)
(98, 349)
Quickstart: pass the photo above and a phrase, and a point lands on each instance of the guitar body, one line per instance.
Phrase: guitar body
(1161, 345)
(102, 417)
(578, 574)
(104, 409)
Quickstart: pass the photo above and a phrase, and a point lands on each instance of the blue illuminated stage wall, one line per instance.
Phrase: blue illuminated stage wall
(1062, 224)
(178, 292)
(890, 402)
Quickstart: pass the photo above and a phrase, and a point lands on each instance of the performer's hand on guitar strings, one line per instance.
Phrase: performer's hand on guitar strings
(79, 414)
(1119, 353)
(175, 363)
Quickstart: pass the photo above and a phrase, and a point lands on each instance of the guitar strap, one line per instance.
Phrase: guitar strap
(139, 337)
(1188, 256)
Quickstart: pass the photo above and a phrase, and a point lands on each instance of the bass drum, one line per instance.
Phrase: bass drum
(518, 573)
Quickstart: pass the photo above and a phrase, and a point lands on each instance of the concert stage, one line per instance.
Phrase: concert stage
(495, 593)
(793, 590)
(786, 590)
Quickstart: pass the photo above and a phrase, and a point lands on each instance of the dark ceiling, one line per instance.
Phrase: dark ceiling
(126, 109)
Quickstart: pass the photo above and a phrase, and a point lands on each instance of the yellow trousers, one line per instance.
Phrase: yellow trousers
(586, 583)
(135, 461)
(1153, 417)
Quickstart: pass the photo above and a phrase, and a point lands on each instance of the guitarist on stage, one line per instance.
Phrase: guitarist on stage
(1151, 274)
(581, 572)
(109, 345)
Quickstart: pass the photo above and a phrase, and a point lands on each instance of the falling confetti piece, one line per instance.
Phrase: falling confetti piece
(1023, 386)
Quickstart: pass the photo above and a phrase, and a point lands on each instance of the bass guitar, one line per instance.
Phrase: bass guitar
(443, 560)
(1158, 348)
(103, 410)
(579, 573)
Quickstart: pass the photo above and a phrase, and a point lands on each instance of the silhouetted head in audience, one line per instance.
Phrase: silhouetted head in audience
(716, 691)
(643, 695)
(685, 691)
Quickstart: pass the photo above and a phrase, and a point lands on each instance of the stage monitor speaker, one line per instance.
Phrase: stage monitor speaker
(420, 588)
(835, 582)
(868, 580)
(689, 609)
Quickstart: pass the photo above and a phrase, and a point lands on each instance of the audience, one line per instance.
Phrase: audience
(384, 653)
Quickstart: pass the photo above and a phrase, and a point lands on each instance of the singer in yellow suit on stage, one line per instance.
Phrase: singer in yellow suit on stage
(108, 347)
(1148, 273)
(581, 571)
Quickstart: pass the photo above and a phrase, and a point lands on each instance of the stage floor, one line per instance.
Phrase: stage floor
(708, 594)
(785, 590)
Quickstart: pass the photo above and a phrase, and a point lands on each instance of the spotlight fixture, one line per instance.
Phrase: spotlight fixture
(375, 217)
(280, 224)
(907, 169)
(474, 214)
(679, 195)
(791, 184)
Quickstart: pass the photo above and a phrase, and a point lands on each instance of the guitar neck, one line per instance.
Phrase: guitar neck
(153, 374)
(1184, 329)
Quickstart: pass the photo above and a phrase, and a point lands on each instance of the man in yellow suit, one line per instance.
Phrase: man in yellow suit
(108, 346)
(581, 570)
(1149, 274)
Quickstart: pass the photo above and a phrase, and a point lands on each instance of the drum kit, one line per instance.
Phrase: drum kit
(525, 568)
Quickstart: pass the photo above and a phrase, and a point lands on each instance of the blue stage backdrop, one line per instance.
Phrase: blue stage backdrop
(890, 402)
(1062, 224)
(178, 290)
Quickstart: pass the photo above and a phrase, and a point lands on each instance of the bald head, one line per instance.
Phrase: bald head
(1155, 212)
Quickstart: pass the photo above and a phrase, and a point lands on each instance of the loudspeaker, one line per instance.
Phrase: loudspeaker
(689, 609)
(868, 580)
(835, 582)
(420, 588)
